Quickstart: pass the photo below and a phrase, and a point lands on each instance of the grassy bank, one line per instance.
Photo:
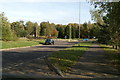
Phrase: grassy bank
(66, 58)
(20, 43)
(113, 56)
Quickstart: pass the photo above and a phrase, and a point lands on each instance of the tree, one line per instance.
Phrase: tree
(29, 28)
(67, 31)
(48, 29)
(45, 29)
(61, 30)
(110, 16)
(77, 30)
(18, 27)
(73, 30)
(7, 33)
(21, 25)
(94, 31)
(1, 15)
(23, 33)
(90, 27)
(53, 30)
(36, 30)
(84, 30)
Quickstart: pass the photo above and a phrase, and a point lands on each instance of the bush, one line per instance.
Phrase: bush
(23, 33)
(8, 35)
(14, 37)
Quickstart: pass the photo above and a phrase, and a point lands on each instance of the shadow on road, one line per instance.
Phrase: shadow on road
(16, 57)
(52, 46)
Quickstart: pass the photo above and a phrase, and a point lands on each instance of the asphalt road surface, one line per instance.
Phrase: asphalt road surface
(29, 60)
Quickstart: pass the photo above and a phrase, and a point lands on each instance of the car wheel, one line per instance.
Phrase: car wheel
(53, 43)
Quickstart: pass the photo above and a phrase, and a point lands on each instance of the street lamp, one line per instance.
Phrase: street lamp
(70, 31)
(79, 18)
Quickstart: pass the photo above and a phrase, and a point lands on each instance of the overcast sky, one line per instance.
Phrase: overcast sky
(58, 12)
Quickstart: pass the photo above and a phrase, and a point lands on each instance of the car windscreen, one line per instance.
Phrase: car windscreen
(48, 40)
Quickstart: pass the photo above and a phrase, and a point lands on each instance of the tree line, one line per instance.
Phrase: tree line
(14, 30)
(106, 27)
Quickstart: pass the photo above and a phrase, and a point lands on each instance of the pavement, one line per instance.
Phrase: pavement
(93, 64)
(29, 60)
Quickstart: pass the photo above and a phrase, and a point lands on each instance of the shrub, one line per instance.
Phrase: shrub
(23, 33)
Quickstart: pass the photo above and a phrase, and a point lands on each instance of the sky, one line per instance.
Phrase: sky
(58, 12)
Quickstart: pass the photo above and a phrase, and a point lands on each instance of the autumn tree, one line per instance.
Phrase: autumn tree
(53, 30)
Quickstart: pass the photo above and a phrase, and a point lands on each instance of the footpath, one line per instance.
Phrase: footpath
(93, 64)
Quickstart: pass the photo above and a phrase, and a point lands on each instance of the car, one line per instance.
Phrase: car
(49, 42)
(86, 39)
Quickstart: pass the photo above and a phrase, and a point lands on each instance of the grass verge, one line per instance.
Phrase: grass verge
(20, 43)
(68, 57)
(113, 56)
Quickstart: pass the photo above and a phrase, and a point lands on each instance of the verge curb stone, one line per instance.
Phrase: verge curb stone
(19, 47)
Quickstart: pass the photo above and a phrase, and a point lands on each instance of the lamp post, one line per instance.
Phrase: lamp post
(70, 32)
(79, 18)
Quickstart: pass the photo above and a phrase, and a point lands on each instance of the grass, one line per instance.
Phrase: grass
(20, 43)
(113, 56)
(65, 59)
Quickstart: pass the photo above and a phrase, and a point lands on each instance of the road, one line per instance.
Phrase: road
(30, 60)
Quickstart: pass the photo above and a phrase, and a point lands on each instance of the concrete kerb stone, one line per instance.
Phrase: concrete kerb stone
(52, 67)
(19, 47)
